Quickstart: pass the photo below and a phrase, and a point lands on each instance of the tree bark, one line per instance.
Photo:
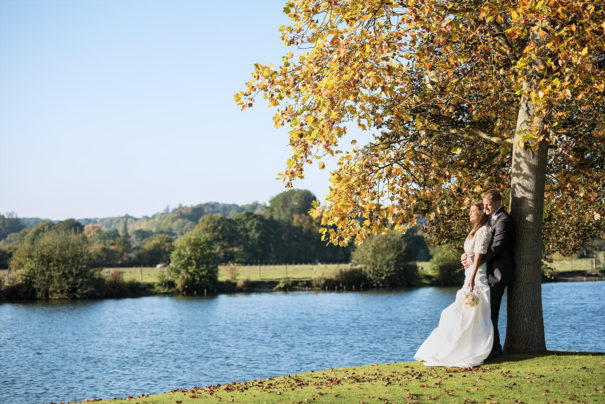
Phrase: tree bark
(525, 325)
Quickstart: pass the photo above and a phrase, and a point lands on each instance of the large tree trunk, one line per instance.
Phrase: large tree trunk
(525, 325)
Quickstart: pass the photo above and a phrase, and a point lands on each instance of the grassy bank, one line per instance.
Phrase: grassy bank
(549, 377)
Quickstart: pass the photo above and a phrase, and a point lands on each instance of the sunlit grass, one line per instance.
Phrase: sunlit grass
(577, 264)
(251, 272)
(277, 272)
(529, 378)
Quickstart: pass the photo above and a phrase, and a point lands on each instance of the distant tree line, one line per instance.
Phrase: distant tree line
(282, 232)
(176, 222)
(63, 259)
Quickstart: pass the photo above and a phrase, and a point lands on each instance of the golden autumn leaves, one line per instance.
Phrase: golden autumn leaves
(439, 85)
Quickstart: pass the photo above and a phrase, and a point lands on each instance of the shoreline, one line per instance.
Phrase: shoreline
(293, 285)
(520, 377)
(576, 276)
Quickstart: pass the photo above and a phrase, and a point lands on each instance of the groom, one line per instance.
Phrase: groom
(499, 257)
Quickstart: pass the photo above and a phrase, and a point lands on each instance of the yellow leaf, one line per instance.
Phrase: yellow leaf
(322, 165)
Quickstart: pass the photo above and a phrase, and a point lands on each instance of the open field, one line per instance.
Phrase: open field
(529, 378)
(235, 272)
(577, 264)
(252, 272)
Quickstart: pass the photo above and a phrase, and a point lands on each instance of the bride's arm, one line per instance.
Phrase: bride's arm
(476, 261)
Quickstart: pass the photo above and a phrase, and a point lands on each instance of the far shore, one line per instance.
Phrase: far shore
(578, 276)
(143, 281)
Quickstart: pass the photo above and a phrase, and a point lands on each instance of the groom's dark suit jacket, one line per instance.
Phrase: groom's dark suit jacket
(499, 257)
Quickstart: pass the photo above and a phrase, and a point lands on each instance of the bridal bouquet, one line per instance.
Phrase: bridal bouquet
(471, 299)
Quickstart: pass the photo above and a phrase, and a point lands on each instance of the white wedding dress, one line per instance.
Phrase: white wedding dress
(465, 334)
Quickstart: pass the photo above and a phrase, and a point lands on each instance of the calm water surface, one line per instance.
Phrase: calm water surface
(114, 348)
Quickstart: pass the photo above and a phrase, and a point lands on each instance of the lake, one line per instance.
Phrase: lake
(55, 351)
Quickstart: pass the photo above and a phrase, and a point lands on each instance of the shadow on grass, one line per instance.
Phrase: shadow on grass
(518, 357)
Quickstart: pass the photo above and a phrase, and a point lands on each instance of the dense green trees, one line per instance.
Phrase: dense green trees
(287, 204)
(56, 260)
(281, 232)
(153, 250)
(9, 224)
(257, 232)
(175, 222)
(226, 238)
(69, 225)
(417, 244)
(284, 234)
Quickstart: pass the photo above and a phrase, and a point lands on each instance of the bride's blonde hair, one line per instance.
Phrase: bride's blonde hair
(483, 218)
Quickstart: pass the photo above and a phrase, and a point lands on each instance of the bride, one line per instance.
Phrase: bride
(465, 335)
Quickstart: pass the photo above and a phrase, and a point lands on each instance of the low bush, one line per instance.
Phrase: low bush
(285, 284)
(319, 283)
(242, 285)
(351, 277)
(57, 265)
(116, 286)
(164, 281)
(193, 266)
(386, 261)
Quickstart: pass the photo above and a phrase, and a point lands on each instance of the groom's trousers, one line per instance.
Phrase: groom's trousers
(495, 298)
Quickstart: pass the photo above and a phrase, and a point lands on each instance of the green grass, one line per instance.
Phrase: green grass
(575, 264)
(235, 272)
(278, 272)
(530, 378)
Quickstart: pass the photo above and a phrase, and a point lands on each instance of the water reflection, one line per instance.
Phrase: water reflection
(113, 348)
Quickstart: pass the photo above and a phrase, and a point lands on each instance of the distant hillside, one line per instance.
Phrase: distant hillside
(178, 221)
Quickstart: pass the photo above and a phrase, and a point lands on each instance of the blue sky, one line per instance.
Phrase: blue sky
(125, 107)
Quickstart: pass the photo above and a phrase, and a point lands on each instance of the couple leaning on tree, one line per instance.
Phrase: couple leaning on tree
(467, 333)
